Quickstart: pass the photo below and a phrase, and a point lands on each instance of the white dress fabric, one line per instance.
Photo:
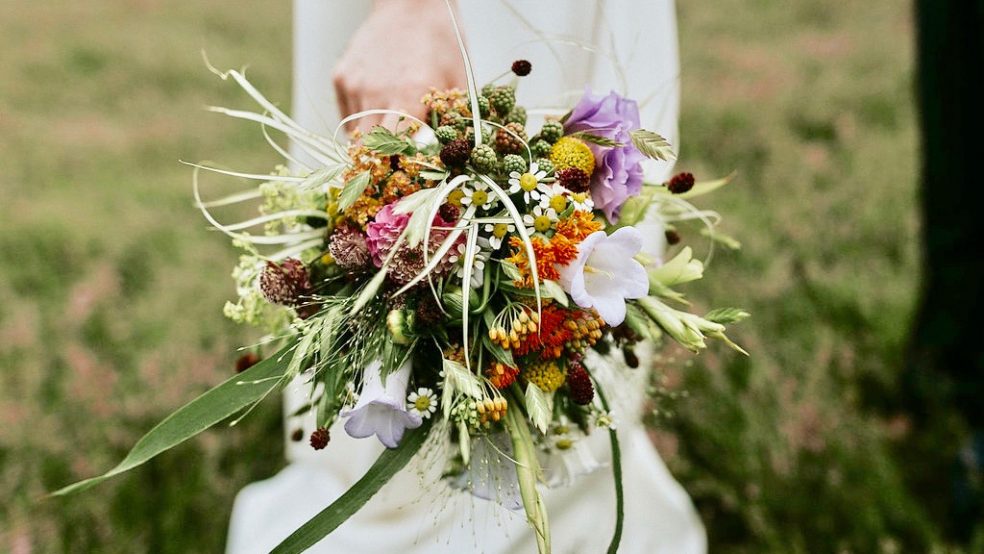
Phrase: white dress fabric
(617, 45)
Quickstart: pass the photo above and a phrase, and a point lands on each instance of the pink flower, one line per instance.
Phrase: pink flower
(382, 233)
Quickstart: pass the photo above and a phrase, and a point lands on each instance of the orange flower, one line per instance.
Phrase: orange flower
(578, 225)
(564, 251)
(543, 250)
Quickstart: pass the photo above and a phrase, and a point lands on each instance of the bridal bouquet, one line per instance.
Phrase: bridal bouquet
(442, 282)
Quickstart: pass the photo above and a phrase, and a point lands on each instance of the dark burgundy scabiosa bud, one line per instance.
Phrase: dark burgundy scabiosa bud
(320, 438)
(449, 212)
(522, 68)
(631, 359)
(286, 283)
(428, 313)
(297, 435)
(455, 153)
(579, 384)
(246, 361)
(573, 179)
(681, 183)
(349, 249)
(672, 237)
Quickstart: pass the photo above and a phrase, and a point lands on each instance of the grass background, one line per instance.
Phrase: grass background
(111, 289)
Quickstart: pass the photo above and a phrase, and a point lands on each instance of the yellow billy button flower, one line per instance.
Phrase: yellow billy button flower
(572, 152)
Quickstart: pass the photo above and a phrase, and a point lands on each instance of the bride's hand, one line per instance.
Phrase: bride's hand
(403, 48)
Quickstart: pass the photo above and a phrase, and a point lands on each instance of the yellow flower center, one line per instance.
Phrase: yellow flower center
(558, 203)
(480, 197)
(500, 230)
(527, 182)
(580, 197)
(564, 444)
(422, 403)
(455, 197)
(541, 223)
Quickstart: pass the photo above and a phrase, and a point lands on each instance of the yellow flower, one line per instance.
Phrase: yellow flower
(571, 152)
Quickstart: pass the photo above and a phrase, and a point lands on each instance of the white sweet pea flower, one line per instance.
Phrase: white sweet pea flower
(541, 220)
(605, 273)
(529, 183)
(497, 233)
(381, 409)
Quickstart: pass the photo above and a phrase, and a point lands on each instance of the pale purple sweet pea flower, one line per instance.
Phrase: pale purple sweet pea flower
(618, 170)
(605, 273)
(382, 407)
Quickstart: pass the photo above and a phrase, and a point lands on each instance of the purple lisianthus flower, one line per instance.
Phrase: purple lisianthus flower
(618, 170)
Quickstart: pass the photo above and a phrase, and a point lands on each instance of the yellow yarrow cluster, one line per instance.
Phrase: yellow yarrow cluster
(545, 374)
(572, 152)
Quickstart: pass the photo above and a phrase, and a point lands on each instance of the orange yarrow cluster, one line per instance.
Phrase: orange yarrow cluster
(560, 249)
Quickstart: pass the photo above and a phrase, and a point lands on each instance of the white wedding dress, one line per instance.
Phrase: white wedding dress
(625, 46)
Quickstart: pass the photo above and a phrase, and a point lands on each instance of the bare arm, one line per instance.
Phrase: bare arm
(403, 48)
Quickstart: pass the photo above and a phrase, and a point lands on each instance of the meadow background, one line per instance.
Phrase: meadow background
(111, 287)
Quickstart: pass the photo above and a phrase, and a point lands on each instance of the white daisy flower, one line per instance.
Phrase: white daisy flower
(605, 419)
(582, 201)
(555, 196)
(478, 264)
(498, 233)
(422, 402)
(478, 195)
(529, 183)
(541, 220)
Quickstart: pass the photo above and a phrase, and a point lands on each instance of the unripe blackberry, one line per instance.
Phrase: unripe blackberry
(540, 148)
(511, 139)
(445, 134)
(455, 153)
(470, 135)
(681, 183)
(513, 162)
(552, 131)
(483, 158)
(320, 438)
(286, 283)
(454, 119)
(488, 89)
(503, 99)
(545, 165)
(573, 179)
(516, 115)
(484, 107)
(579, 384)
(522, 68)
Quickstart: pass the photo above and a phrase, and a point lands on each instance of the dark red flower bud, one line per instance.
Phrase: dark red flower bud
(579, 384)
(247, 361)
(522, 68)
(573, 179)
(681, 183)
(320, 438)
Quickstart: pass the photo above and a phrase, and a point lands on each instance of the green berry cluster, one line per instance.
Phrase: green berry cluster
(483, 158)
(516, 115)
(540, 148)
(544, 164)
(513, 162)
(552, 131)
(445, 134)
(502, 99)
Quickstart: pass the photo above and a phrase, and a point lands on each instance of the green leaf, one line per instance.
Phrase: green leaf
(391, 461)
(498, 352)
(461, 379)
(653, 145)
(353, 190)
(538, 406)
(596, 139)
(383, 141)
(432, 175)
(552, 289)
(527, 473)
(201, 413)
(617, 473)
(726, 316)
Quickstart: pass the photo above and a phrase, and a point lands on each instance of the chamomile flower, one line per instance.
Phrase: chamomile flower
(582, 201)
(422, 402)
(541, 220)
(497, 233)
(529, 183)
(478, 263)
(604, 419)
(555, 196)
(478, 195)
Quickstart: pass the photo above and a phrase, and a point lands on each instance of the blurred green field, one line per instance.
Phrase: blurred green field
(111, 288)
